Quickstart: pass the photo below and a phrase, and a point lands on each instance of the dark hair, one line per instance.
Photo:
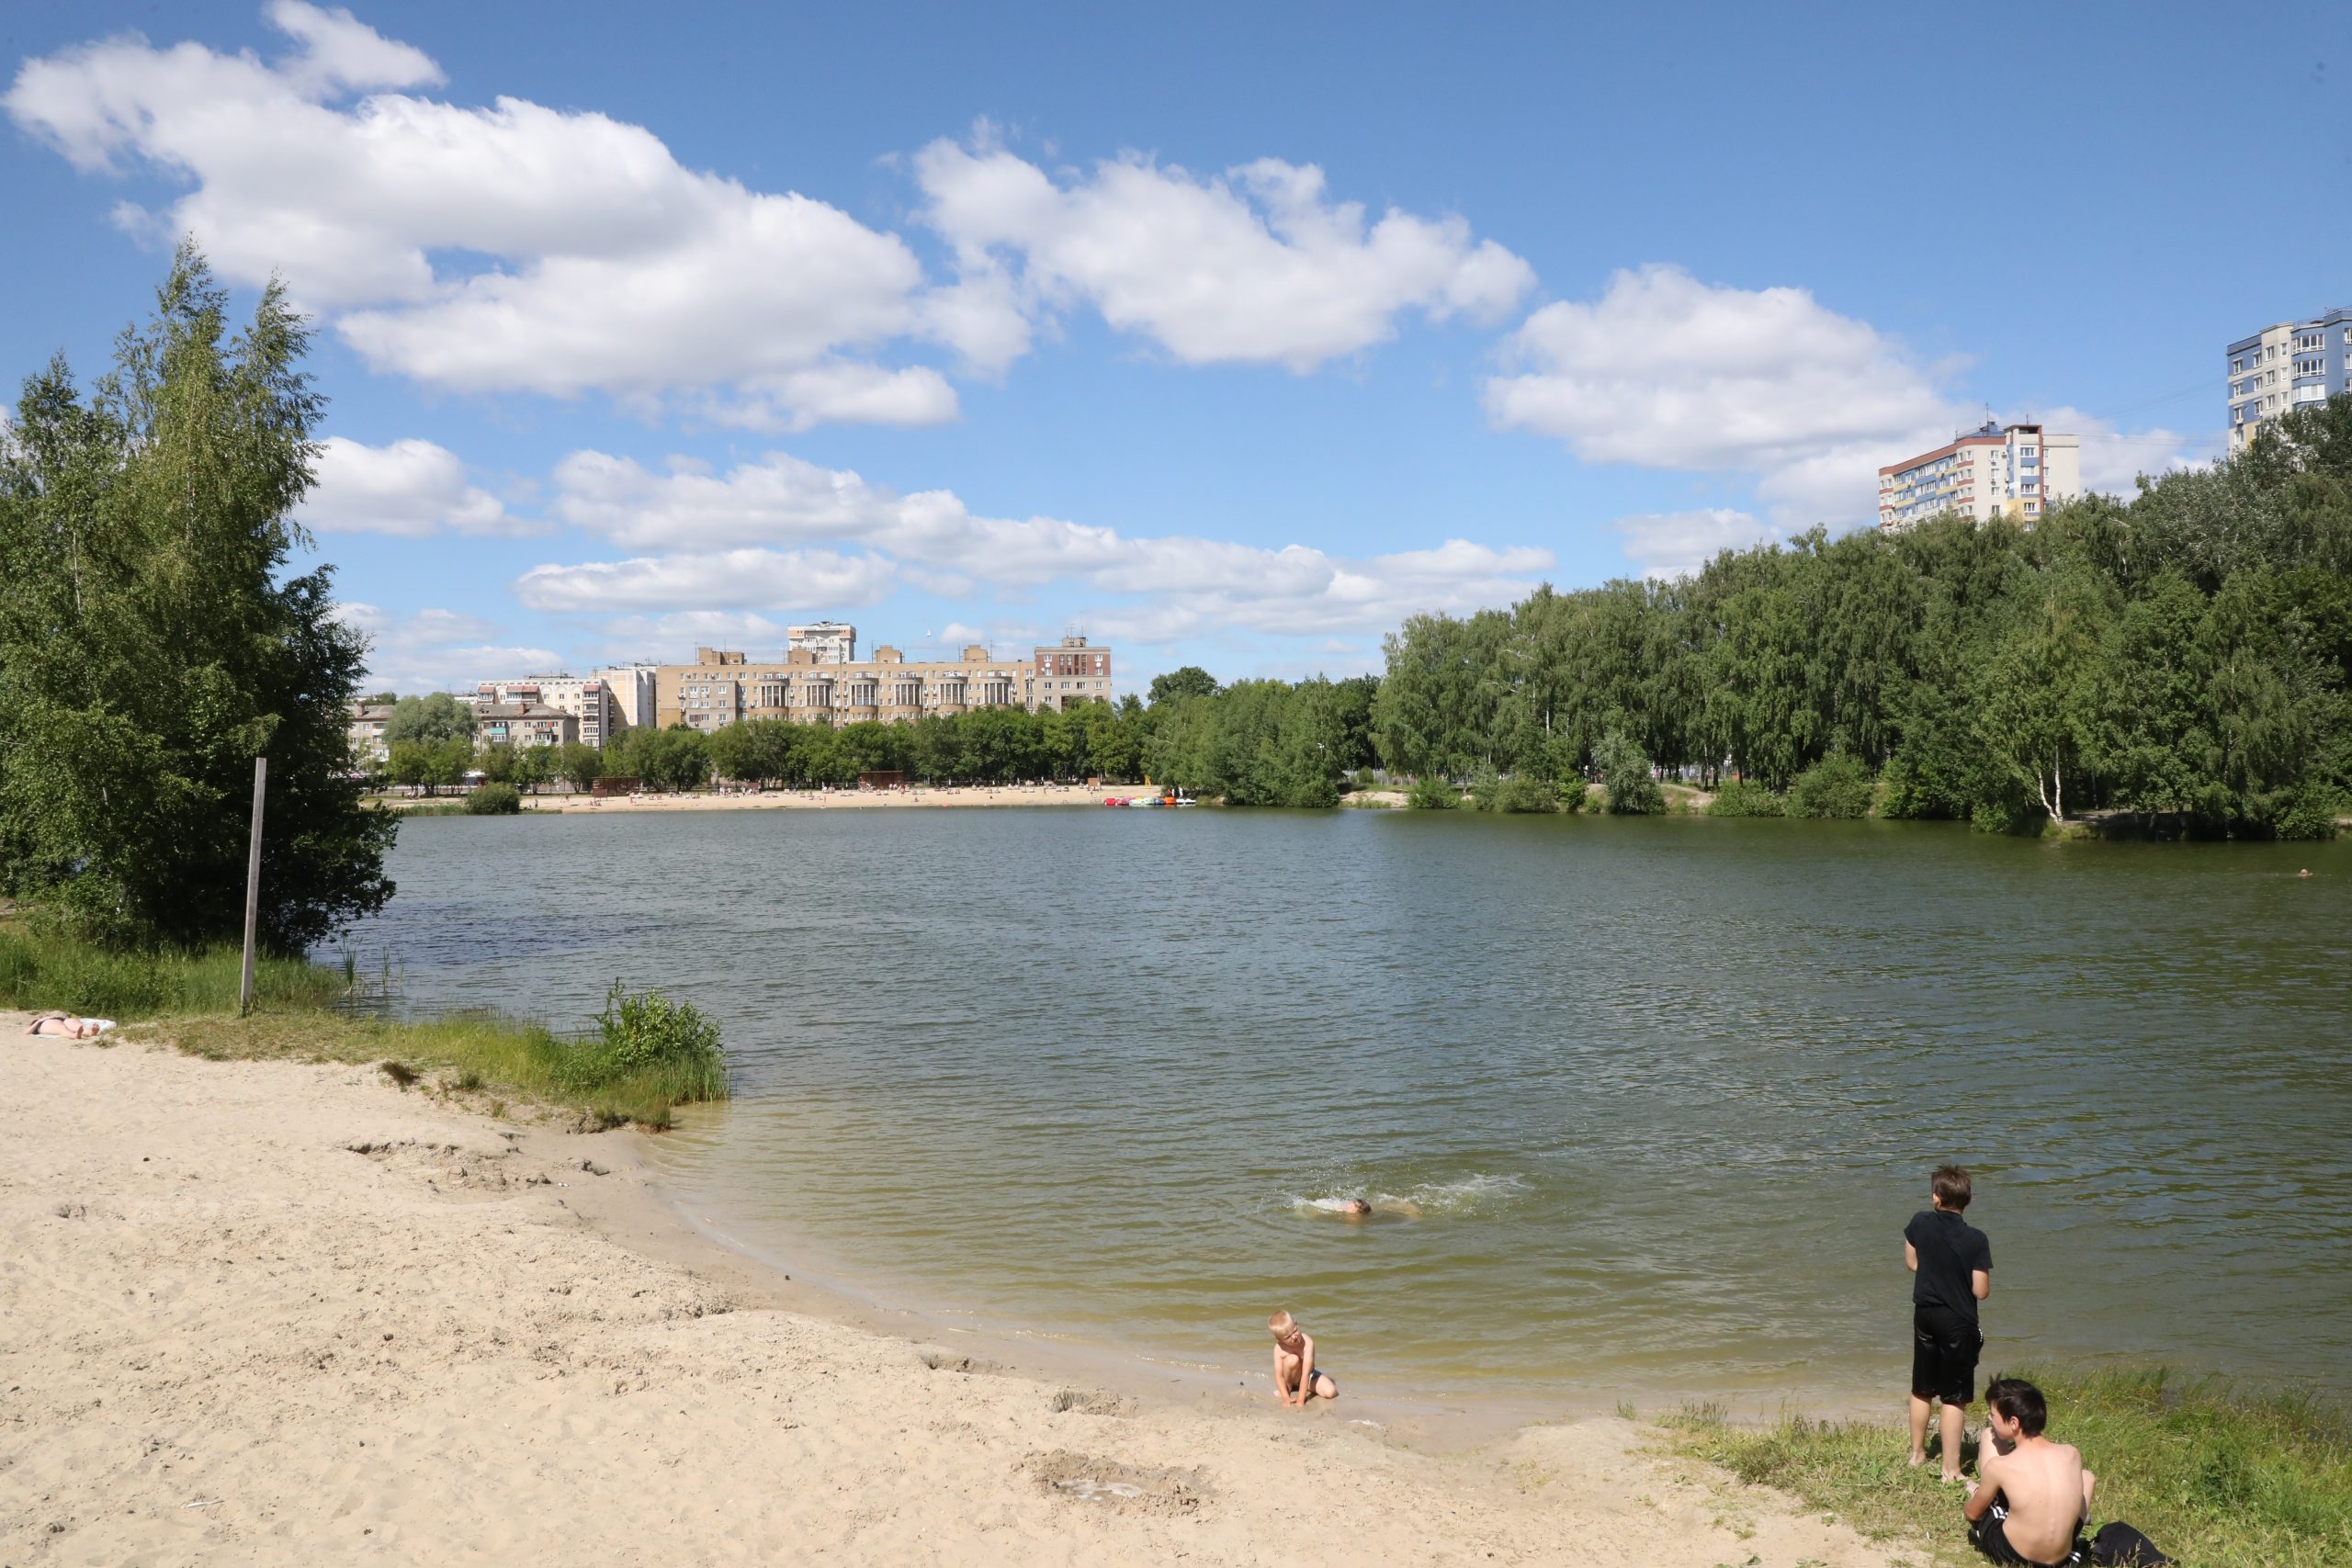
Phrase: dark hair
(1950, 1184)
(2020, 1402)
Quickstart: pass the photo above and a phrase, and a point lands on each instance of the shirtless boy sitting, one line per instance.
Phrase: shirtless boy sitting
(1296, 1376)
(2032, 1497)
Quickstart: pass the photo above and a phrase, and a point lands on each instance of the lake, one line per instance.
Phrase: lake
(1647, 1101)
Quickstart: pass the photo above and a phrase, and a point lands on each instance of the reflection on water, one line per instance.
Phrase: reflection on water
(1639, 1104)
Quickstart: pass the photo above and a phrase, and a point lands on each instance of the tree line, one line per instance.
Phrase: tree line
(2185, 655)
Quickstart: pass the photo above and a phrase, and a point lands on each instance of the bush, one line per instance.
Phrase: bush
(1836, 786)
(648, 1036)
(1431, 792)
(2309, 814)
(1745, 797)
(494, 800)
(1632, 789)
(1527, 794)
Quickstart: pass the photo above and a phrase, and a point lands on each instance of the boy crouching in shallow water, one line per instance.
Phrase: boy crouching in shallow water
(1296, 1376)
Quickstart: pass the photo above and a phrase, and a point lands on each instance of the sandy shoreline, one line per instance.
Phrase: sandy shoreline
(274, 1312)
(847, 799)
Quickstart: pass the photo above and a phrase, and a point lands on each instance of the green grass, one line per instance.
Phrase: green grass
(651, 1057)
(40, 970)
(2213, 1475)
(461, 1053)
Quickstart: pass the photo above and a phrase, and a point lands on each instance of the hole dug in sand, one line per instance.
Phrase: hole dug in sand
(948, 1361)
(1104, 1484)
(1091, 1402)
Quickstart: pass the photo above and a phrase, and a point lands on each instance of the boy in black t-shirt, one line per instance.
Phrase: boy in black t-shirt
(1952, 1268)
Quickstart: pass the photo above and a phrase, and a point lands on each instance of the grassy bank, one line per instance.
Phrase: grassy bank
(38, 971)
(2214, 1476)
(647, 1058)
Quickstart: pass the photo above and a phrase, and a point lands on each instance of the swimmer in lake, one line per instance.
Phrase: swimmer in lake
(1362, 1209)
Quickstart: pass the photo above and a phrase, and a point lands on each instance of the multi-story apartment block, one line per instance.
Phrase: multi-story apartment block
(1072, 673)
(523, 724)
(366, 728)
(831, 641)
(1996, 470)
(632, 689)
(2284, 367)
(590, 699)
(723, 686)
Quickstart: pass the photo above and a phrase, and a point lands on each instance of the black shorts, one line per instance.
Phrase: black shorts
(1989, 1535)
(1944, 1348)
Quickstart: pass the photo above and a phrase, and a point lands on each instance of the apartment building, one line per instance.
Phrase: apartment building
(831, 641)
(2285, 368)
(631, 686)
(366, 728)
(590, 699)
(1072, 673)
(523, 724)
(723, 686)
(1996, 470)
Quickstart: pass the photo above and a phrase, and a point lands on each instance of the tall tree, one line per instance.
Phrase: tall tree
(154, 640)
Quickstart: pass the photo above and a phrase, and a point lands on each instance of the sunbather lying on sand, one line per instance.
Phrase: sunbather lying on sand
(66, 1026)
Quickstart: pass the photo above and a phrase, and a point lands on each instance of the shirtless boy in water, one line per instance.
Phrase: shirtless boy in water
(1296, 1376)
(2032, 1497)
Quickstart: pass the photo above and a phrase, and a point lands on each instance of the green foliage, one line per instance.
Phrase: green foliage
(154, 639)
(1191, 681)
(575, 763)
(2211, 1475)
(431, 765)
(1431, 792)
(1626, 774)
(1255, 743)
(49, 969)
(672, 759)
(2185, 656)
(648, 1037)
(431, 719)
(1838, 787)
(1742, 797)
(494, 800)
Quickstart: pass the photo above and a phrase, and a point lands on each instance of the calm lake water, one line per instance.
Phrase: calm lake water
(1662, 1093)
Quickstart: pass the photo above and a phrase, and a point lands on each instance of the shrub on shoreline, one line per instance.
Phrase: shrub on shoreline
(49, 970)
(1431, 792)
(1746, 797)
(494, 800)
(1633, 787)
(1837, 786)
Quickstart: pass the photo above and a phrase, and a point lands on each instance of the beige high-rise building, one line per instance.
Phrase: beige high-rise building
(724, 686)
(831, 641)
(1996, 470)
(2282, 369)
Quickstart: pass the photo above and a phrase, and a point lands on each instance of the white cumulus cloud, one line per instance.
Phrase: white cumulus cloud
(1256, 265)
(743, 540)
(513, 247)
(1674, 544)
(409, 488)
(439, 650)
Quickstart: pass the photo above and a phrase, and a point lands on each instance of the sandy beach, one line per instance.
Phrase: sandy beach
(271, 1312)
(922, 795)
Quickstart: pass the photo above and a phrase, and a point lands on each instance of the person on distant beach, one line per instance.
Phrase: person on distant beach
(1952, 1263)
(1296, 1376)
(66, 1026)
(2032, 1497)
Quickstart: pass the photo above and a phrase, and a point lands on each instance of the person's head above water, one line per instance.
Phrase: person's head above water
(1354, 1206)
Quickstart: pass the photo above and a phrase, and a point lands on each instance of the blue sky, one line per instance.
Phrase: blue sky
(1228, 335)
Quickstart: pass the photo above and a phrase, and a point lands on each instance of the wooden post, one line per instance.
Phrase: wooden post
(253, 890)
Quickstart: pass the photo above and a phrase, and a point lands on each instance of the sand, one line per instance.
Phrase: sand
(930, 796)
(271, 1312)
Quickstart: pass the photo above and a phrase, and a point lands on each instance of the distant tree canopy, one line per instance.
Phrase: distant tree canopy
(439, 717)
(2187, 652)
(1191, 680)
(152, 644)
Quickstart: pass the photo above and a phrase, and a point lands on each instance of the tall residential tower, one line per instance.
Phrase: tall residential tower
(1995, 470)
(2283, 367)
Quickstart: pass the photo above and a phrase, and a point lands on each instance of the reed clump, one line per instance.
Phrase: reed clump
(2214, 1475)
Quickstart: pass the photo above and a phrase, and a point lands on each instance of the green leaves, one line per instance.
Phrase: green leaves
(152, 644)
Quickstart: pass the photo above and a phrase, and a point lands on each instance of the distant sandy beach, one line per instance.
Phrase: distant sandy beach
(847, 799)
(270, 1313)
